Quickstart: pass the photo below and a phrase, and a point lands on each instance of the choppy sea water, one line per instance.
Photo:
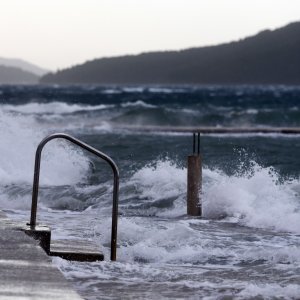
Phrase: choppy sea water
(247, 245)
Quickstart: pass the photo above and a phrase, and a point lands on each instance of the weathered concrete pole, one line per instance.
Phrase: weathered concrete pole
(194, 181)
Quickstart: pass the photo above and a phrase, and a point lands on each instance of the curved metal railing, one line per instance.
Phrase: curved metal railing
(35, 189)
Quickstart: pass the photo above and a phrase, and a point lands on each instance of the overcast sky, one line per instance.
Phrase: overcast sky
(60, 33)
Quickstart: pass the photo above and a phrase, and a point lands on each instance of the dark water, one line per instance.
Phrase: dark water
(247, 244)
(179, 106)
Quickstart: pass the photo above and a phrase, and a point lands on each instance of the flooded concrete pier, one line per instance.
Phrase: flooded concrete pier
(26, 272)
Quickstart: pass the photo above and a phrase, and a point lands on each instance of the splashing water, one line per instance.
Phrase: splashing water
(246, 245)
(257, 200)
(62, 165)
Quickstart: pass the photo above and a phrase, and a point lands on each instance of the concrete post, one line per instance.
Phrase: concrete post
(194, 185)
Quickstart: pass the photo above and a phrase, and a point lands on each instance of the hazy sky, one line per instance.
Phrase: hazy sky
(60, 33)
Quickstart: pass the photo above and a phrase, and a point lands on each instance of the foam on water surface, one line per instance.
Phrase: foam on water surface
(21, 136)
(256, 200)
(138, 103)
(246, 245)
(52, 108)
(167, 252)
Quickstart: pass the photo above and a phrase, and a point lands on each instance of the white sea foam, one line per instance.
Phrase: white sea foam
(51, 108)
(161, 252)
(133, 89)
(177, 241)
(178, 252)
(162, 90)
(20, 136)
(163, 179)
(255, 199)
(269, 291)
(111, 91)
(252, 111)
(138, 103)
(104, 126)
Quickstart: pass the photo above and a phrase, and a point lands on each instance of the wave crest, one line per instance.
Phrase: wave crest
(52, 108)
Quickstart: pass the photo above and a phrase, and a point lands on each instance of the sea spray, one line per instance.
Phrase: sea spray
(256, 200)
(56, 108)
(247, 243)
(61, 163)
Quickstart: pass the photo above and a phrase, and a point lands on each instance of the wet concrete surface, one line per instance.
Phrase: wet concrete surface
(26, 272)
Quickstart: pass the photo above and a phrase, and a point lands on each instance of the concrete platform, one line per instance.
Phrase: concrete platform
(73, 250)
(76, 250)
(26, 272)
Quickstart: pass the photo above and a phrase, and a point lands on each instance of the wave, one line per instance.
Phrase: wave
(268, 291)
(111, 91)
(153, 106)
(133, 89)
(20, 135)
(138, 103)
(142, 89)
(52, 108)
(255, 199)
(163, 90)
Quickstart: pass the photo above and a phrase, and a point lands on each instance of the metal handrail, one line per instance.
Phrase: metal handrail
(35, 188)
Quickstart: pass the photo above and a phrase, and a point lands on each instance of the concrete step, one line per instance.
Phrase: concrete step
(26, 271)
(77, 250)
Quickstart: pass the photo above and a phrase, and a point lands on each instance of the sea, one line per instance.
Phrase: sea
(247, 243)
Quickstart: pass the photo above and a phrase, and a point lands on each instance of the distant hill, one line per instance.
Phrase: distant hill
(270, 57)
(22, 64)
(12, 75)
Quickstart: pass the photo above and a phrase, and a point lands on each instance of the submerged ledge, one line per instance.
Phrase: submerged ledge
(215, 130)
(26, 272)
